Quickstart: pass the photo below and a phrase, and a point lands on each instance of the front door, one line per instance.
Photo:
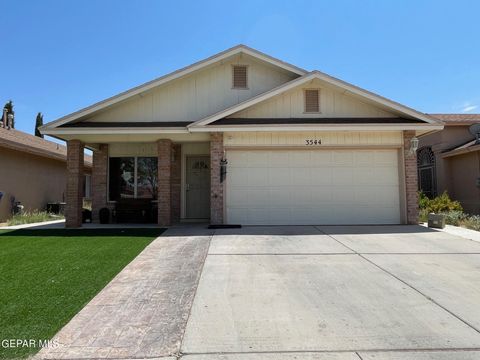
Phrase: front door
(197, 187)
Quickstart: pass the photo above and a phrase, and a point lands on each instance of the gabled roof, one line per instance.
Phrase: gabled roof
(19, 141)
(458, 119)
(406, 111)
(172, 76)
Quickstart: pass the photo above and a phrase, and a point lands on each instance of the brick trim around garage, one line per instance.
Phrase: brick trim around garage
(411, 181)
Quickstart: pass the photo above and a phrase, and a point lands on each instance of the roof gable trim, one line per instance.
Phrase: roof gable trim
(348, 88)
(170, 77)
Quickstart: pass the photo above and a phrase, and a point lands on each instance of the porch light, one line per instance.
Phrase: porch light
(413, 145)
(223, 168)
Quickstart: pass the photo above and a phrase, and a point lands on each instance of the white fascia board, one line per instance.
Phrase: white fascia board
(376, 98)
(348, 88)
(316, 127)
(112, 131)
(170, 77)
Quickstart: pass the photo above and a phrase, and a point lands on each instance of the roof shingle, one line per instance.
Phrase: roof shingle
(20, 141)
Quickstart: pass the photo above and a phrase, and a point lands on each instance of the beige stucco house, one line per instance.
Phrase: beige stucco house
(449, 160)
(244, 138)
(33, 172)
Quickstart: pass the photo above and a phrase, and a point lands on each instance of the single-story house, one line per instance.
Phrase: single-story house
(244, 138)
(33, 172)
(449, 160)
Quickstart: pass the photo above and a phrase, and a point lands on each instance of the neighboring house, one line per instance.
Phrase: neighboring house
(450, 160)
(292, 146)
(33, 171)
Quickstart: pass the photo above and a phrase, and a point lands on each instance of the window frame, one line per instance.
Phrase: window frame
(135, 174)
(305, 101)
(246, 77)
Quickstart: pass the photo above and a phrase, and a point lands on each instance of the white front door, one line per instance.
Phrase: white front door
(293, 187)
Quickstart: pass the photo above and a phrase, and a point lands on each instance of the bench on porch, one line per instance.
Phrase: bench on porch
(139, 211)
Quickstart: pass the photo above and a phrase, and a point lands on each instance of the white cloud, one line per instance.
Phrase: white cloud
(469, 107)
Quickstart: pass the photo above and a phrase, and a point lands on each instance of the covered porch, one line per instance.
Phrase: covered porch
(163, 181)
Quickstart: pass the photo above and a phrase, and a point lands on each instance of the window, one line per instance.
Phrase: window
(132, 177)
(426, 172)
(239, 77)
(312, 101)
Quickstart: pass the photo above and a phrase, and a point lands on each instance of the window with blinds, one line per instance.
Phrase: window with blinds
(239, 76)
(312, 101)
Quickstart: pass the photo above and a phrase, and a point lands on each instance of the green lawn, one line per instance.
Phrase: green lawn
(47, 276)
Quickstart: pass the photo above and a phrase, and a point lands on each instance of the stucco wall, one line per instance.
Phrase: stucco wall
(441, 141)
(32, 180)
(461, 183)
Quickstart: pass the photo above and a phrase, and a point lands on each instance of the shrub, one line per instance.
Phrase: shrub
(439, 204)
(455, 217)
(32, 217)
(472, 222)
(423, 200)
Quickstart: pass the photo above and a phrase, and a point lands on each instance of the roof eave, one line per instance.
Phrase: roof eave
(319, 127)
(170, 77)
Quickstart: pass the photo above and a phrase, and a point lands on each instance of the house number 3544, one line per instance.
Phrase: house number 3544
(313, 142)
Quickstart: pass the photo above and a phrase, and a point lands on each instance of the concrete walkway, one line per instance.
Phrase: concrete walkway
(143, 311)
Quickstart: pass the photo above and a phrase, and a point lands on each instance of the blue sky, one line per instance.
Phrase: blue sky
(59, 56)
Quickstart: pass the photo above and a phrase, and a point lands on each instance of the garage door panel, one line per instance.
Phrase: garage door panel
(257, 159)
(278, 197)
(279, 177)
(322, 158)
(299, 159)
(364, 158)
(385, 158)
(322, 176)
(321, 194)
(300, 176)
(386, 176)
(259, 177)
(313, 187)
(238, 159)
(342, 158)
(257, 196)
(277, 158)
(364, 177)
(343, 175)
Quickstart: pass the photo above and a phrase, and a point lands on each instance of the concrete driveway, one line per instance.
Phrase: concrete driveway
(337, 293)
(297, 292)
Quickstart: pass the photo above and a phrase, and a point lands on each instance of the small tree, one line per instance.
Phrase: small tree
(9, 107)
(38, 123)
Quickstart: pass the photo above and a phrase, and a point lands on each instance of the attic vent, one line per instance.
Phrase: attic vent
(312, 101)
(239, 77)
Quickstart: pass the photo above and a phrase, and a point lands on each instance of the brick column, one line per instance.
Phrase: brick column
(164, 181)
(216, 188)
(176, 173)
(99, 180)
(411, 181)
(74, 198)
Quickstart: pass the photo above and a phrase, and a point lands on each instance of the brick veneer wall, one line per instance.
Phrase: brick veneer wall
(216, 188)
(74, 195)
(99, 180)
(411, 181)
(176, 173)
(164, 182)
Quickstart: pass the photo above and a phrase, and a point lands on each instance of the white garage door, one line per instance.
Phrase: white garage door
(300, 187)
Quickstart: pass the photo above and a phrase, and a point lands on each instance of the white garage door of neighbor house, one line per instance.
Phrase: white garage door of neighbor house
(304, 187)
